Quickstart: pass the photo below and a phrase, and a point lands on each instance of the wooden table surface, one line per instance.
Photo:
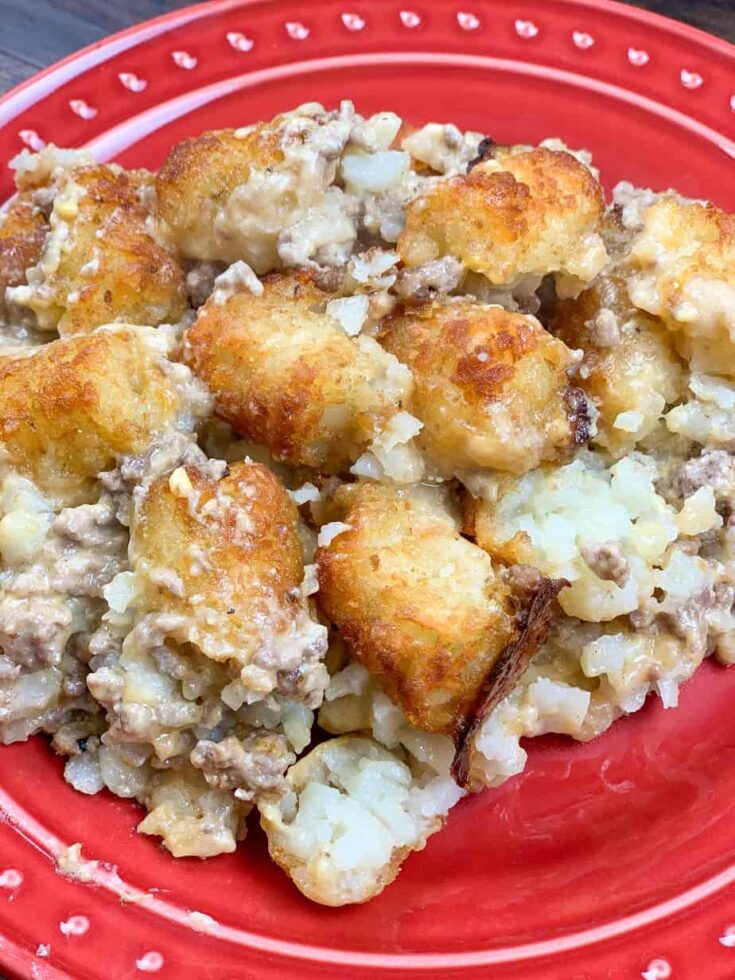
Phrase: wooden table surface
(34, 33)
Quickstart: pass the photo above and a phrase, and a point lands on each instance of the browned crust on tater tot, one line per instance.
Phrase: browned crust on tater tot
(683, 270)
(220, 558)
(231, 540)
(530, 213)
(198, 176)
(23, 230)
(634, 369)
(491, 387)
(479, 524)
(286, 375)
(109, 267)
(69, 409)
(419, 605)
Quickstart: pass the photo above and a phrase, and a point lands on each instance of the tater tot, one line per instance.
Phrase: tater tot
(421, 607)
(684, 272)
(231, 194)
(285, 374)
(69, 409)
(232, 564)
(525, 214)
(490, 387)
(100, 264)
(42, 170)
(23, 230)
(199, 175)
(631, 370)
(354, 813)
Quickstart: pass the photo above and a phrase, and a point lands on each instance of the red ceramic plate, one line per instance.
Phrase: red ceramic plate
(612, 859)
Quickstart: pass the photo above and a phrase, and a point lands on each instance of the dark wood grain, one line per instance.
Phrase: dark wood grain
(715, 16)
(34, 33)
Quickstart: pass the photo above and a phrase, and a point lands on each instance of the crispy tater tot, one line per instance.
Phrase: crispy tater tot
(422, 608)
(684, 271)
(41, 171)
(100, 264)
(70, 408)
(525, 214)
(631, 370)
(490, 387)
(233, 550)
(285, 374)
(199, 175)
(23, 230)
(233, 194)
(354, 813)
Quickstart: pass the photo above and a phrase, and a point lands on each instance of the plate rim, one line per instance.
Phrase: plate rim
(160, 24)
(14, 956)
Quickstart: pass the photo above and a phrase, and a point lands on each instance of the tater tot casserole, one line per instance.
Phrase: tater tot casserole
(338, 458)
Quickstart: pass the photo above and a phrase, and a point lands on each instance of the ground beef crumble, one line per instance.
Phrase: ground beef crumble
(252, 765)
(608, 562)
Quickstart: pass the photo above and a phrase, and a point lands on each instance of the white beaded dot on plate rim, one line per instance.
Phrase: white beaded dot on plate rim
(690, 79)
(184, 60)
(75, 925)
(526, 29)
(582, 40)
(239, 41)
(657, 969)
(467, 20)
(410, 19)
(132, 82)
(150, 962)
(353, 22)
(31, 139)
(296, 30)
(82, 109)
(11, 879)
(638, 57)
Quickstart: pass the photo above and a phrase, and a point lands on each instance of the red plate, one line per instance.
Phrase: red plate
(613, 859)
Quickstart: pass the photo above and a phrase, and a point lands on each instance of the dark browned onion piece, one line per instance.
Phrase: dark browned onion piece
(506, 672)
